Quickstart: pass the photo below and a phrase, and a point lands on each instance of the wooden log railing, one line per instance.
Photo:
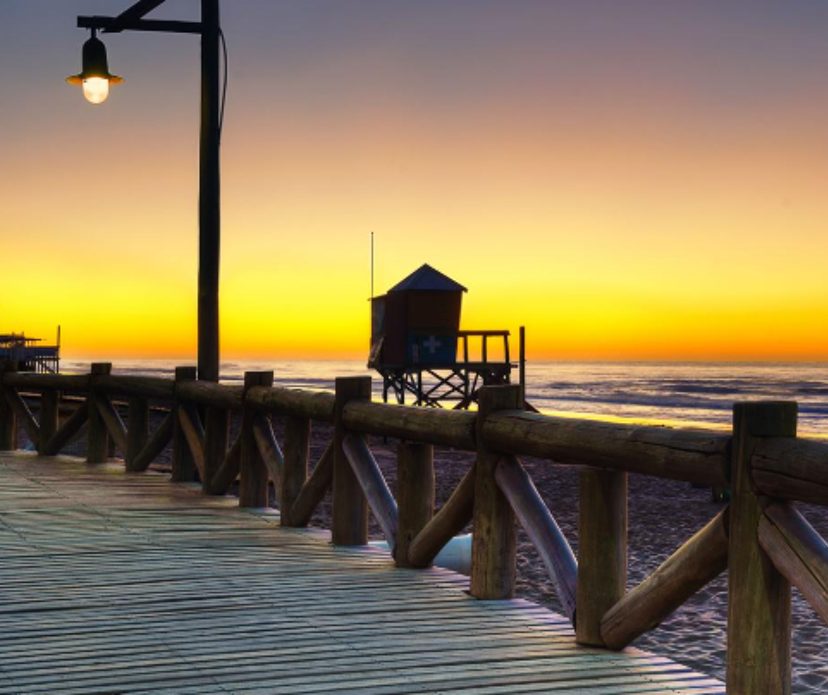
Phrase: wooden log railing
(765, 543)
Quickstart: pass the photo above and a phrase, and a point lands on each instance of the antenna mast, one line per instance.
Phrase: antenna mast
(372, 265)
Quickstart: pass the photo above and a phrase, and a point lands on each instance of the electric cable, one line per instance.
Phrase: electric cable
(224, 87)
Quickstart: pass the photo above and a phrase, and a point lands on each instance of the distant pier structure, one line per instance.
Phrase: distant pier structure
(28, 353)
(423, 356)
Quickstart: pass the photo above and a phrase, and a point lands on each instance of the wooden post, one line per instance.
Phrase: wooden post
(49, 418)
(216, 439)
(415, 494)
(452, 518)
(349, 522)
(494, 540)
(253, 482)
(295, 469)
(97, 443)
(522, 363)
(209, 199)
(759, 596)
(602, 550)
(8, 419)
(183, 465)
(137, 430)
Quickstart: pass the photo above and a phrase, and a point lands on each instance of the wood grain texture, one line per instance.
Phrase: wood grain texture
(228, 471)
(154, 387)
(603, 521)
(759, 596)
(138, 419)
(376, 491)
(207, 393)
(295, 466)
(253, 473)
(349, 523)
(798, 552)
(216, 439)
(313, 405)
(415, 495)
(454, 428)
(157, 584)
(183, 465)
(22, 414)
(70, 427)
(8, 419)
(542, 529)
(29, 381)
(97, 436)
(193, 432)
(791, 469)
(49, 418)
(156, 444)
(696, 563)
(112, 419)
(697, 457)
(450, 520)
(269, 449)
(314, 489)
(494, 539)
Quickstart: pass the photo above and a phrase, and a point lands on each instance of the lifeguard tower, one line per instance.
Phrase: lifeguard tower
(418, 348)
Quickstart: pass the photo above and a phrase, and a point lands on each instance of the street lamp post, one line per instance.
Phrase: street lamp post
(95, 78)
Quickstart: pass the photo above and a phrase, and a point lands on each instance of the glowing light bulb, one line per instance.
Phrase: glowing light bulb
(96, 89)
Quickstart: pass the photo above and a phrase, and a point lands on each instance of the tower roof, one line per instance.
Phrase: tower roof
(427, 278)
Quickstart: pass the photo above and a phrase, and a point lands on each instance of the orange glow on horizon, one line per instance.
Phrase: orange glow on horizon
(627, 203)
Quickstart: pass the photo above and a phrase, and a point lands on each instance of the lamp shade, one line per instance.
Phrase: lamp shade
(95, 64)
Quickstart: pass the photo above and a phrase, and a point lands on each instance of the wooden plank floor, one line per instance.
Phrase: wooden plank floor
(128, 584)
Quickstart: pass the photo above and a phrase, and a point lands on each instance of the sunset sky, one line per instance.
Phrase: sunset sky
(630, 180)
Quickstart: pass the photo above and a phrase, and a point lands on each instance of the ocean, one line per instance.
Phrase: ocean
(675, 393)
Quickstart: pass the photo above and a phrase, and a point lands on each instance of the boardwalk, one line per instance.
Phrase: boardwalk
(112, 583)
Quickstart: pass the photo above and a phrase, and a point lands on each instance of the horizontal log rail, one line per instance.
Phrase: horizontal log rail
(761, 537)
(693, 456)
(136, 386)
(206, 393)
(792, 469)
(313, 405)
(30, 381)
(451, 428)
